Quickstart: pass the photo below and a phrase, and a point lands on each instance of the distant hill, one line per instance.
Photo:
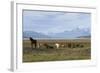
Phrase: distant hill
(85, 36)
(72, 34)
(27, 34)
(76, 33)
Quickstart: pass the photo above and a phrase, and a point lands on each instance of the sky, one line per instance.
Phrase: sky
(54, 22)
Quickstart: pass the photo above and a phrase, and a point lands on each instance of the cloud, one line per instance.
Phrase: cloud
(54, 22)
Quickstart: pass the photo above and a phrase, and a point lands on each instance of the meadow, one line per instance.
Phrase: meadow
(42, 53)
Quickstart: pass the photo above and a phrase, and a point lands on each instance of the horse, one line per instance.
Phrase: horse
(33, 41)
(48, 46)
(57, 45)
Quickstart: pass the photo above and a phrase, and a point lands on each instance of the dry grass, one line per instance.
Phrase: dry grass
(54, 54)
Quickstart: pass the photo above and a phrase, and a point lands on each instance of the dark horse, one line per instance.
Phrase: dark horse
(33, 41)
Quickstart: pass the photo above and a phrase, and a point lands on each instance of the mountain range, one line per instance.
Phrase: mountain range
(27, 34)
(76, 33)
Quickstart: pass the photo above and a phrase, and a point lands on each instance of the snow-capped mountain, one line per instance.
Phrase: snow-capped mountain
(75, 33)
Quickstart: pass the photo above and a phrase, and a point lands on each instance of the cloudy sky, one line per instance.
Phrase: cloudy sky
(54, 22)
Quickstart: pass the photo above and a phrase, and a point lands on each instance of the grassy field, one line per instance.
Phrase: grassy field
(54, 54)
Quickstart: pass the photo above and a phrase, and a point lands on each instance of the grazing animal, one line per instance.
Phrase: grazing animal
(33, 41)
(57, 45)
(62, 46)
(48, 46)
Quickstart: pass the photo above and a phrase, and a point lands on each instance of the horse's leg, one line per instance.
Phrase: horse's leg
(35, 45)
(31, 45)
(38, 45)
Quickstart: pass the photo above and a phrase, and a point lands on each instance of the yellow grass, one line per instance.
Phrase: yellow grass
(54, 54)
